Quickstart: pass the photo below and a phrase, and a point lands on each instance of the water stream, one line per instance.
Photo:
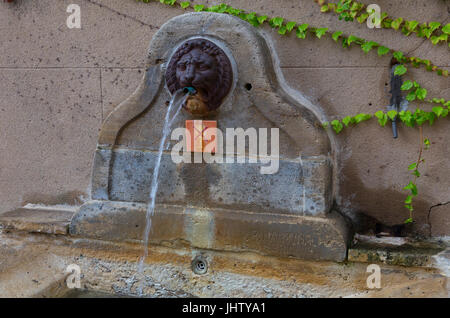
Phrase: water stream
(175, 106)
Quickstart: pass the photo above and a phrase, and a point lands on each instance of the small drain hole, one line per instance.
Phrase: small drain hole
(199, 266)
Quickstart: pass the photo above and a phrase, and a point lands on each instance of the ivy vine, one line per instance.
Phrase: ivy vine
(350, 10)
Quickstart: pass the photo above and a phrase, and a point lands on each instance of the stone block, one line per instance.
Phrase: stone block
(218, 229)
(49, 221)
(299, 187)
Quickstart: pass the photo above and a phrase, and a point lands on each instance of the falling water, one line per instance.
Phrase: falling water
(176, 103)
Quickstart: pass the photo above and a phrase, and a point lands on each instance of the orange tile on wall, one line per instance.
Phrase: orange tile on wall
(201, 133)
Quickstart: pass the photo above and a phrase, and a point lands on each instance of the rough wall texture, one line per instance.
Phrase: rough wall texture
(58, 84)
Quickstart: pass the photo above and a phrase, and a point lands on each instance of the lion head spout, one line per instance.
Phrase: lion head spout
(200, 64)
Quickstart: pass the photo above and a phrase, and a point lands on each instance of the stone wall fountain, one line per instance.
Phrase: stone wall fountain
(236, 228)
(234, 81)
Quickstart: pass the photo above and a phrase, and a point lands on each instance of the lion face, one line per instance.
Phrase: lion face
(203, 65)
(199, 70)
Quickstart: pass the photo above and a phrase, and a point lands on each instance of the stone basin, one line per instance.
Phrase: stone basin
(33, 263)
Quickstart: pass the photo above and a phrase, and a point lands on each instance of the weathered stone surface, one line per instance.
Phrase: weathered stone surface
(104, 40)
(300, 187)
(394, 251)
(312, 51)
(49, 122)
(37, 220)
(35, 265)
(440, 220)
(374, 184)
(218, 229)
(117, 85)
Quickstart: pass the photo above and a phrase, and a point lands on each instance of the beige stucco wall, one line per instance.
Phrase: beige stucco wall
(58, 84)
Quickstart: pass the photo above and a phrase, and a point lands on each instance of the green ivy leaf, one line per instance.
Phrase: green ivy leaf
(407, 85)
(336, 35)
(434, 26)
(412, 166)
(301, 31)
(320, 32)
(424, 31)
(400, 70)
(303, 27)
(409, 199)
(436, 39)
(242, 15)
(411, 96)
(345, 43)
(396, 23)
(392, 114)
(356, 6)
(367, 46)
(382, 118)
(348, 120)
(399, 56)
(324, 8)
(411, 25)
(276, 22)
(262, 19)
(185, 4)
(352, 39)
(438, 101)
(446, 29)
(382, 50)
(282, 30)
(223, 8)
(420, 117)
(410, 220)
(387, 23)
(199, 7)
(412, 187)
(362, 117)
(253, 20)
(290, 26)
(407, 118)
(233, 11)
(362, 18)
(169, 2)
(431, 118)
(421, 93)
(337, 126)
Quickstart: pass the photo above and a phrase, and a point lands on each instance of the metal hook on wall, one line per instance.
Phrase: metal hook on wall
(398, 102)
